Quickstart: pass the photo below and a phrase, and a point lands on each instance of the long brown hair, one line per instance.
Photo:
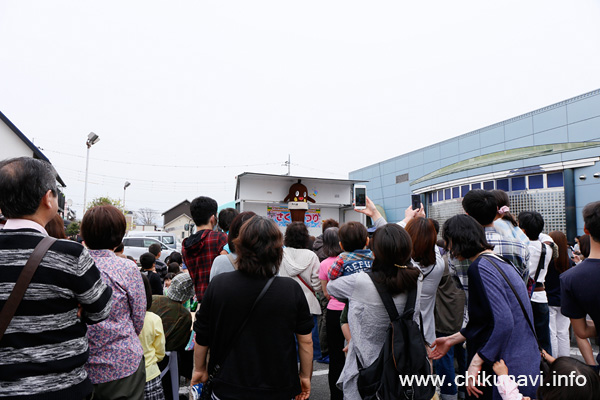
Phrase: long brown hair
(562, 263)
(56, 228)
(392, 248)
(423, 235)
(503, 200)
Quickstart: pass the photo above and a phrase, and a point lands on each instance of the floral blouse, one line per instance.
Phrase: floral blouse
(114, 346)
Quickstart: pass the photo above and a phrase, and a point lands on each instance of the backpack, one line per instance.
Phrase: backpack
(403, 353)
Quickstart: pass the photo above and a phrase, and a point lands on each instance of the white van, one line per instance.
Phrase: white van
(167, 238)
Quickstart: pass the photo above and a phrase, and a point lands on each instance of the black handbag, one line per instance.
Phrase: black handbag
(207, 387)
(544, 364)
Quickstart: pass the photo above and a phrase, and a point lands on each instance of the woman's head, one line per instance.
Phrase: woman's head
(236, 225)
(103, 227)
(331, 242)
(423, 235)
(296, 235)
(259, 247)
(392, 249)
(562, 262)
(570, 379)
(56, 228)
(503, 206)
(464, 236)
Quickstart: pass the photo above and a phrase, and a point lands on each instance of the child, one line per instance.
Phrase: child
(148, 263)
(152, 338)
(168, 278)
(568, 379)
(356, 257)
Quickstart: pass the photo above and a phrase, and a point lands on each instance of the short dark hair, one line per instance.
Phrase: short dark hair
(331, 242)
(392, 267)
(147, 260)
(481, 205)
(591, 219)
(173, 268)
(174, 257)
(148, 290)
(465, 236)
(330, 223)
(170, 275)
(532, 223)
(202, 208)
(296, 235)
(24, 181)
(584, 245)
(259, 247)
(226, 216)
(103, 227)
(236, 225)
(353, 236)
(155, 248)
(436, 225)
(423, 235)
(120, 248)
(564, 366)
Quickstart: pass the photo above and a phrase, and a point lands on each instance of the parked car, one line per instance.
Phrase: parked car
(165, 237)
(136, 246)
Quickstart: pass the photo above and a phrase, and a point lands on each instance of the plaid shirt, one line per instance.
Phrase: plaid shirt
(198, 252)
(513, 250)
(349, 263)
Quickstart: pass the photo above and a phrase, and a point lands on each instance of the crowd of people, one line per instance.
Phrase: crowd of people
(495, 296)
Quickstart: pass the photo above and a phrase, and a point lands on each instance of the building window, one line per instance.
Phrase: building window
(434, 195)
(447, 195)
(464, 190)
(518, 183)
(536, 182)
(489, 185)
(476, 186)
(502, 184)
(555, 180)
(401, 178)
(440, 195)
(455, 193)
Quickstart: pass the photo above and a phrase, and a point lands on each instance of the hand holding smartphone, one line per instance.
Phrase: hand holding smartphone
(360, 197)
(416, 201)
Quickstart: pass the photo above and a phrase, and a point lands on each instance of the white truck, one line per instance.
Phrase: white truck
(270, 196)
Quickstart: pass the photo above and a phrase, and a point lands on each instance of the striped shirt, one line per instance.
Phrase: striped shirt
(44, 348)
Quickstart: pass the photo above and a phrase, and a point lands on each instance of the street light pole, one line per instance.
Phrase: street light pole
(92, 140)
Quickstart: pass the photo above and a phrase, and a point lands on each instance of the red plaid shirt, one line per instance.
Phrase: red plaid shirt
(198, 252)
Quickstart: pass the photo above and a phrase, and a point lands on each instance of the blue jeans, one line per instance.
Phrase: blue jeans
(445, 367)
(541, 322)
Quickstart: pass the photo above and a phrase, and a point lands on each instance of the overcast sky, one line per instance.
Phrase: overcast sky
(185, 95)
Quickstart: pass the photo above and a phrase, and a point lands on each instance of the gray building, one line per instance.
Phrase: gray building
(546, 160)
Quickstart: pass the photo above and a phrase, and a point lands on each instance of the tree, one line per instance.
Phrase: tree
(73, 228)
(105, 201)
(146, 216)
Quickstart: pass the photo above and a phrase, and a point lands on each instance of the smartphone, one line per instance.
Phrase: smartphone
(360, 197)
(416, 201)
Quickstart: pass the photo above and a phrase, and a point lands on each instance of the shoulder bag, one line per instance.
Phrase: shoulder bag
(207, 388)
(13, 301)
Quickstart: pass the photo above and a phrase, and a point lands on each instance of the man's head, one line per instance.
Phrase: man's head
(204, 211)
(181, 289)
(26, 186)
(591, 219)
(532, 223)
(226, 216)
(481, 205)
(155, 249)
(147, 261)
(353, 236)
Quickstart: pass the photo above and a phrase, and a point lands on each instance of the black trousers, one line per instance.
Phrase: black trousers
(337, 358)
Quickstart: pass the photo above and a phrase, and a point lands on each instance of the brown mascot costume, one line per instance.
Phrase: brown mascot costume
(297, 200)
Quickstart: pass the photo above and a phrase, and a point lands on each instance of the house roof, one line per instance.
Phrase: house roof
(176, 205)
(37, 153)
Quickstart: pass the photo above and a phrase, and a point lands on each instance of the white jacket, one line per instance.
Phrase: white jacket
(303, 263)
